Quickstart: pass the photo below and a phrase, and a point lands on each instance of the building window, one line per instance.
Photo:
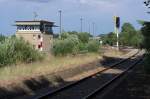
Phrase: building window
(39, 46)
(25, 27)
(32, 28)
(36, 27)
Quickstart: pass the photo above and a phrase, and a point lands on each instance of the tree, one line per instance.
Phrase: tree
(55, 35)
(64, 35)
(2, 38)
(84, 37)
(146, 45)
(146, 39)
(73, 32)
(112, 38)
(137, 39)
(109, 38)
(129, 36)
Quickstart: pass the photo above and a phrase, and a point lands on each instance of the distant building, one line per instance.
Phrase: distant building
(38, 33)
(95, 38)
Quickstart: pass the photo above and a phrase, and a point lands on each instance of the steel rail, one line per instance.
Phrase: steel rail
(108, 83)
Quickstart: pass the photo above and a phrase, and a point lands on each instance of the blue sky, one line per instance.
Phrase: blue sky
(100, 12)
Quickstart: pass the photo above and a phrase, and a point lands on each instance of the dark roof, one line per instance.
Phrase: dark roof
(36, 21)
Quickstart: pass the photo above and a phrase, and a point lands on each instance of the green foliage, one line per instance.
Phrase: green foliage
(110, 38)
(14, 50)
(93, 46)
(129, 36)
(64, 35)
(127, 27)
(55, 36)
(147, 62)
(82, 46)
(146, 33)
(141, 22)
(83, 37)
(146, 45)
(73, 32)
(73, 43)
(2, 38)
(66, 46)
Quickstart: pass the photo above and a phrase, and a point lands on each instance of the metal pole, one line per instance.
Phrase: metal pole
(89, 28)
(117, 31)
(60, 23)
(35, 15)
(93, 28)
(81, 24)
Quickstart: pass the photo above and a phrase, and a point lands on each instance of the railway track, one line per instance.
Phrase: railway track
(88, 87)
(100, 91)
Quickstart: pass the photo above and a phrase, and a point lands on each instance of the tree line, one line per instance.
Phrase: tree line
(128, 36)
(73, 42)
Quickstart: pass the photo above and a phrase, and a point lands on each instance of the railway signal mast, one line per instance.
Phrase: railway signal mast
(35, 15)
(117, 25)
(60, 23)
(93, 29)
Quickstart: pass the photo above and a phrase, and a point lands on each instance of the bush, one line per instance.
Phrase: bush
(73, 43)
(146, 45)
(93, 46)
(147, 62)
(64, 35)
(2, 38)
(14, 50)
(82, 46)
(66, 46)
(83, 37)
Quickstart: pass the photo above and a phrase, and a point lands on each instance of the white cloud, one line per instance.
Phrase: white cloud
(1, 1)
(83, 1)
(97, 2)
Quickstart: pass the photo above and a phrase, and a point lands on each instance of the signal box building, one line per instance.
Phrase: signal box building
(37, 33)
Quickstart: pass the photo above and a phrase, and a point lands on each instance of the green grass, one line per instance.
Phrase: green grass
(14, 50)
(49, 65)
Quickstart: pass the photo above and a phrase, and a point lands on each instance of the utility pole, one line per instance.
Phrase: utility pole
(35, 15)
(81, 19)
(60, 23)
(93, 24)
(117, 32)
(89, 28)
